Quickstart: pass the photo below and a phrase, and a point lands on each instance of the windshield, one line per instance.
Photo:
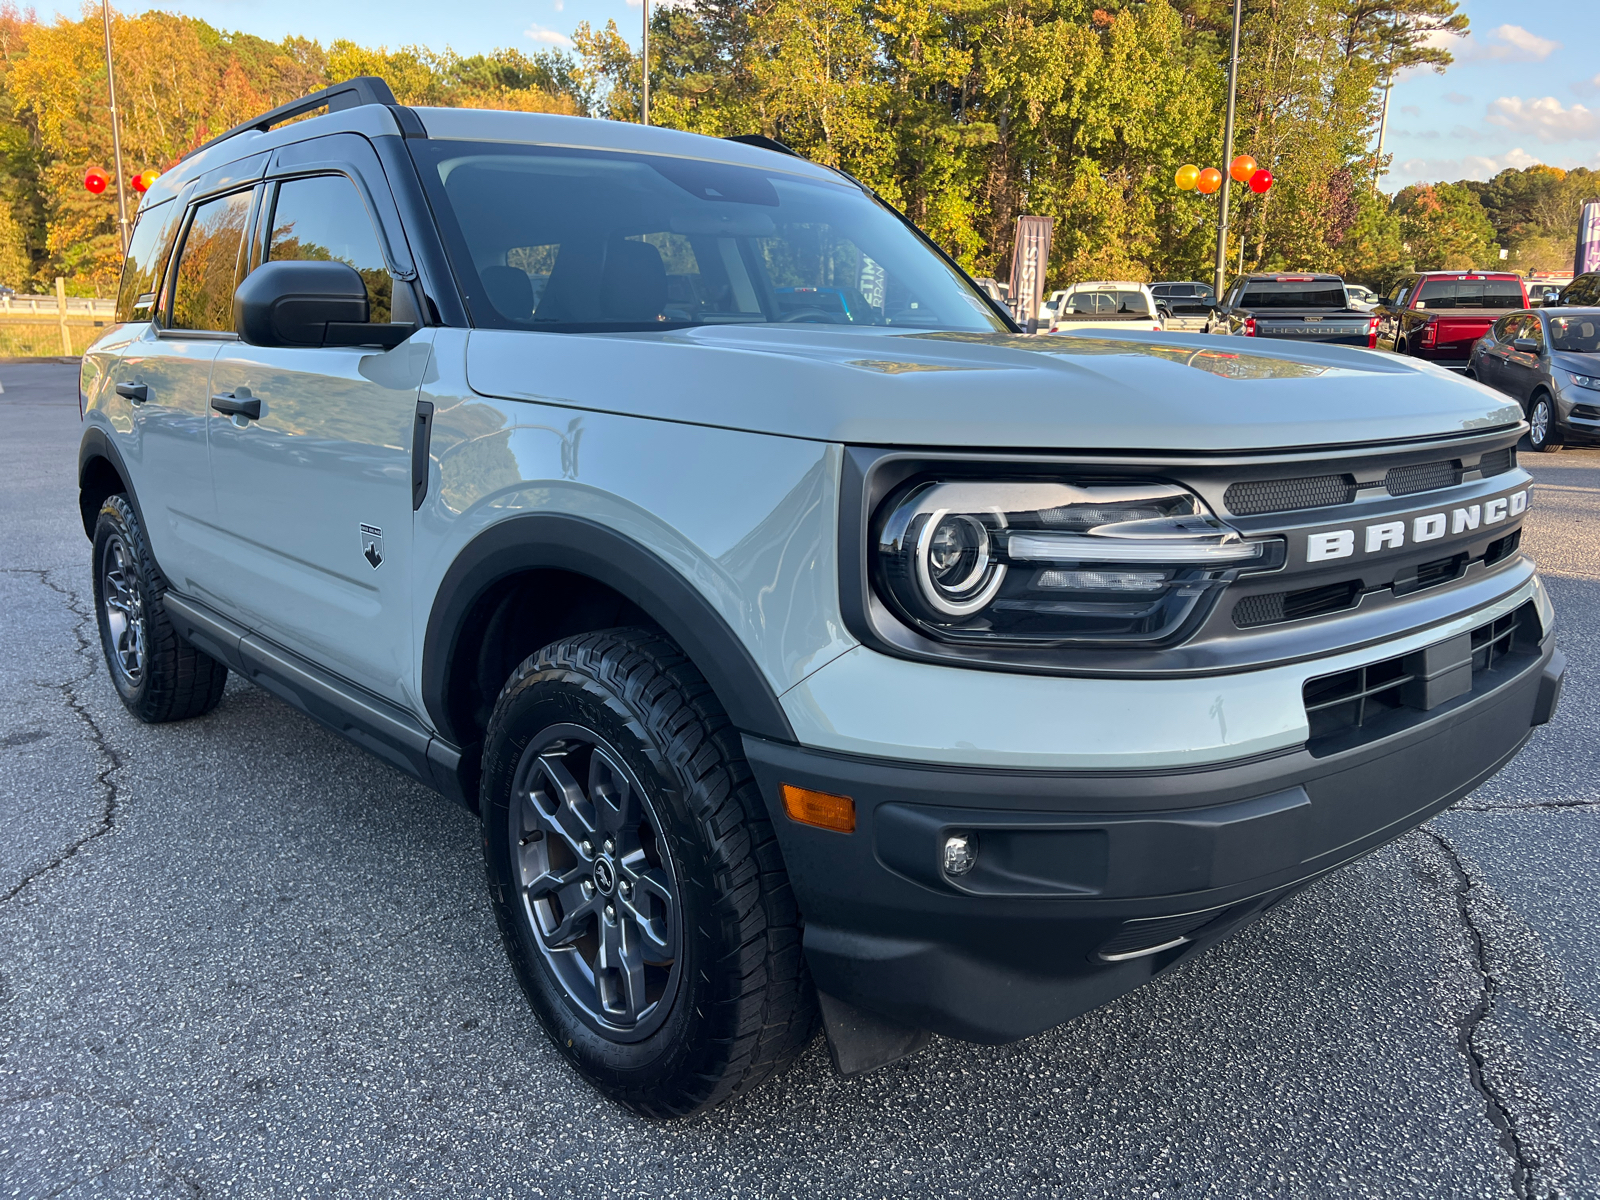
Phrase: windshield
(1318, 294)
(1576, 335)
(579, 241)
(1467, 293)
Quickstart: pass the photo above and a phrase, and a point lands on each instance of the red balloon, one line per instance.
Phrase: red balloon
(95, 180)
(1260, 181)
(142, 181)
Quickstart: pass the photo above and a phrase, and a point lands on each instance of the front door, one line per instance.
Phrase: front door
(164, 374)
(313, 495)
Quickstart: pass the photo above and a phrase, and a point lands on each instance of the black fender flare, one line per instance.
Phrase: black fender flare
(564, 542)
(96, 444)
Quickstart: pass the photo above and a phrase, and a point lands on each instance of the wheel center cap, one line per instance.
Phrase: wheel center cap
(605, 876)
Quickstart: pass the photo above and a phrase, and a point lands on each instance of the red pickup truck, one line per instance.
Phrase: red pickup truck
(1437, 315)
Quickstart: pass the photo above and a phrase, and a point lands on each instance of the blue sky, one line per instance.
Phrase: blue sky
(1525, 86)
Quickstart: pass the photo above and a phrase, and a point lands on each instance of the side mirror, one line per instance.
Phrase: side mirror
(309, 303)
(1525, 345)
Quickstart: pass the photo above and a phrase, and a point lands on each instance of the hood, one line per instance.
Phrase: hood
(1153, 391)
(1583, 364)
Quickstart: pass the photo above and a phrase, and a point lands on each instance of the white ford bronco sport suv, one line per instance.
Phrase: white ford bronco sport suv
(811, 644)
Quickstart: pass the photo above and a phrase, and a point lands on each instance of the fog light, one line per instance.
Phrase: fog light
(960, 853)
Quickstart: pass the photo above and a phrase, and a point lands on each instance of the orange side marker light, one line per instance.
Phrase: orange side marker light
(822, 809)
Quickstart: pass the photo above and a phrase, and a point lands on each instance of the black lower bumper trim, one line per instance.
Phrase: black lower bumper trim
(1073, 870)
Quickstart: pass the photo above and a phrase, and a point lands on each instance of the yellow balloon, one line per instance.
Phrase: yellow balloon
(1188, 175)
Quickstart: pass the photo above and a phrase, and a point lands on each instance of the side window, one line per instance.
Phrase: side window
(1503, 328)
(1533, 328)
(147, 254)
(208, 264)
(324, 218)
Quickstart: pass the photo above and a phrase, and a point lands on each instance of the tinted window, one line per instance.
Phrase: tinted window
(575, 241)
(209, 263)
(1504, 326)
(1318, 294)
(147, 254)
(1470, 293)
(1576, 335)
(1160, 290)
(1584, 290)
(323, 218)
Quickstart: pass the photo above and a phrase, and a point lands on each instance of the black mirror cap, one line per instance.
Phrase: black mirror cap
(1525, 346)
(309, 303)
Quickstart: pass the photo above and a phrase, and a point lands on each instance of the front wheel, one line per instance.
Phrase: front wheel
(1542, 432)
(636, 878)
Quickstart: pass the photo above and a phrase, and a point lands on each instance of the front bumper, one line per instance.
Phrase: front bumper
(1089, 883)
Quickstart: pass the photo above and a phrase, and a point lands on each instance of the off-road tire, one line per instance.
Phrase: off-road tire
(744, 1005)
(176, 680)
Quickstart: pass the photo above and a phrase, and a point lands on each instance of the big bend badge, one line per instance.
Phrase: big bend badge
(372, 545)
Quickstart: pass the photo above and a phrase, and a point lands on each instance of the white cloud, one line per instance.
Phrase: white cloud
(1521, 46)
(1411, 110)
(560, 5)
(550, 37)
(1545, 119)
(1469, 166)
(1457, 98)
(1508, 43)
(1587, 87)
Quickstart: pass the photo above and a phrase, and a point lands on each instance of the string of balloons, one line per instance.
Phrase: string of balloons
(96, 180)
(1191, 178)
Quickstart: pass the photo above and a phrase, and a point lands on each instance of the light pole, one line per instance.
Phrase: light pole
(116, 133)
(1227, 154)
(644, 106)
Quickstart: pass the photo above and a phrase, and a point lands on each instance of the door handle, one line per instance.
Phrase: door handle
(231, 405)
(138, 393)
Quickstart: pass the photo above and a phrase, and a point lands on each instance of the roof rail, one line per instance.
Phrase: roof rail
(352, 93)
(765, 143)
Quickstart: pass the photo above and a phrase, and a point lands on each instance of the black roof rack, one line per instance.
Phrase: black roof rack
(352, 93)
(765, 143)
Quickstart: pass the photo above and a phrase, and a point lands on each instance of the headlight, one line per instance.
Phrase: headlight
(1585, 381)
(1045, 562)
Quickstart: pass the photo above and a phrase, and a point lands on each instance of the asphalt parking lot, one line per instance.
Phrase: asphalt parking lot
(240, 957)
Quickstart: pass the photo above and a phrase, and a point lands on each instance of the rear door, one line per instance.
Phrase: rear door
(315, 494)
(165, 374)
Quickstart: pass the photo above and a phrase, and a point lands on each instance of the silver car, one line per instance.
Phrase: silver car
(1549, 359)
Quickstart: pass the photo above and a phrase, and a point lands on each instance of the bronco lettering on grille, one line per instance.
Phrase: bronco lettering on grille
(1395, 534)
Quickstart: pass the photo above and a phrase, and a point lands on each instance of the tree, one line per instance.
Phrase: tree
(1445, 227)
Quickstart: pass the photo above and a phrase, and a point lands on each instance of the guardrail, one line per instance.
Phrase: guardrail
(42, 326)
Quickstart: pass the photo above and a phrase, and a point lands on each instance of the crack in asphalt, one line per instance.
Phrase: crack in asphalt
(1498, 1110)
(1534, 807)
(111, 761)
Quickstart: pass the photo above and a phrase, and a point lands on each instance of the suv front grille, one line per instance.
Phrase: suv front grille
(1377, 697)
(1497, 462)
(1423, 477)
(1289, 495)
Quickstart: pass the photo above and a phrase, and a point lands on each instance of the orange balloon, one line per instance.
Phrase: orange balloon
(1210, 180)
(1242, 168)
(1186, 176)
(142, 181)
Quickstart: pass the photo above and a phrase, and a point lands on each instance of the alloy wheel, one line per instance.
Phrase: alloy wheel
(599, 891)
(1539, 423)
(124, 611)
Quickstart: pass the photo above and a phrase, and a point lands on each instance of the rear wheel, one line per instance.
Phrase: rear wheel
(1542, 431)
(636, 879)
(158, 675)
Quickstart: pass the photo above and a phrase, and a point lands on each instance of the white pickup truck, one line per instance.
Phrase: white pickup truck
(1124, 307)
